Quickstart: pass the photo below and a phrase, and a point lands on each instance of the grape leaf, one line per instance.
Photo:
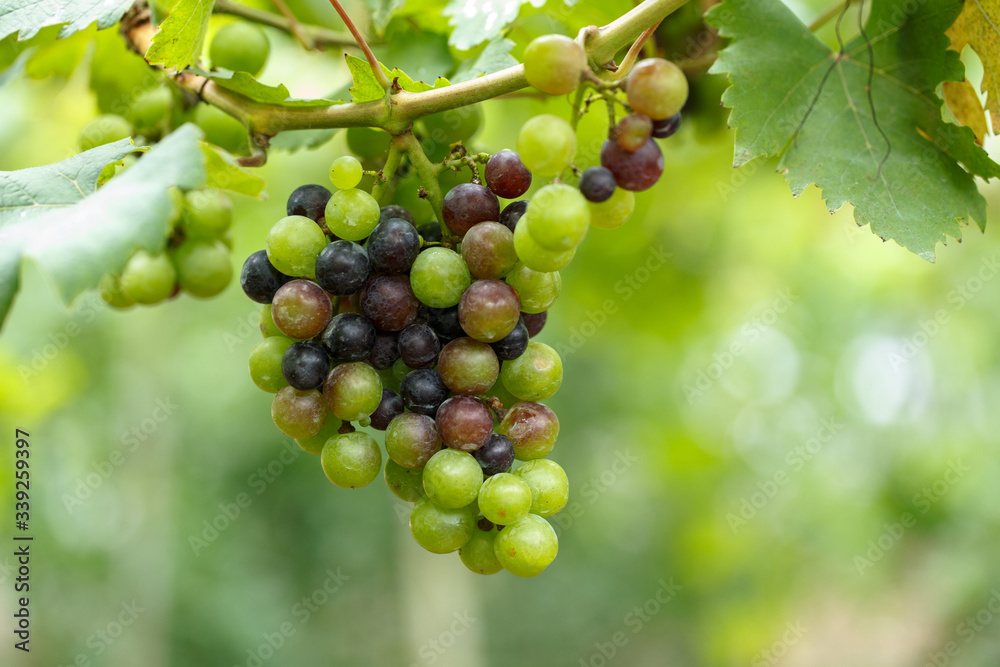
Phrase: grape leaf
(493, 58)
(178, 41)
(478, 22)
(61, 57)
(223, 173)
(382, 12)
(367, 89)
(794, 98)
(965, 105)
(244, 84)
(979, 26)
(27, 17)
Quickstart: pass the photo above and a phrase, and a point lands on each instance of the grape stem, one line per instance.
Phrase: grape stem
(428, 173)
(319, 37)
(632, 55)
(383, 185)
(294, 26)
(380, 76)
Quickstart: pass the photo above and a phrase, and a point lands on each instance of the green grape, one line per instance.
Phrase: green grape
(299, 414)
(553, 64)
(452, 478)
(527, 547)
(353, 391)
(537, 290)
(532, 429)
(150, 111)
(240, 47)
(204, 268)
(176, 206)
(439, 529)
(400, 370)
(614, 212)
(468, 367)
(346, 172)
(478, 553)
(104, 130)
(449, 127)
(559, 217)
(534, 256)
(504, 499)
(222, 129)
(368, 144)
(412, 439)
(352, 214)
(657, 88)
(406, 484)
(535, 375)
(438, 277)
(267, 326)
(265, 363)
(314, 444)
(293, 244)
(111, 292)
(351, 460)
(548, 483)
(546, 145)
(206, 214)
(148, 279)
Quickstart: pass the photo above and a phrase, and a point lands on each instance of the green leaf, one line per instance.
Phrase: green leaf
(493, 58)
(117, 74)
(61, 57)
(478, 22)
(367, 89)
(425, 53)
(27, 17)
(794, 98)
(223, 173)
(382, 12)
(178, 41)
(15, 69)
(244, 84)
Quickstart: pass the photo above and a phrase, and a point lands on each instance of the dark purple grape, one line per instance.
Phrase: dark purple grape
(469, 203)
(390, 407)
(597, 184)
(394, 211)
(445, 323)
(423, 391)
(388, 301)
(464, 423)
(666, 127)
(636, 171)
(259, 279)
(308, 200)
(430, 232)
(512, 213)
(633, 131)
(489, 310)
(301, 309)
(513, 344)
(393, 246)
(342, 268)
(305, 365)
(506, 175)
(349, 337)
(535, 322)
(496, 456)
(385, 352)
(418, 346)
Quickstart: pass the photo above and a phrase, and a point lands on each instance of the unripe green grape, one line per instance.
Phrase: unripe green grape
(353, 391)
(148, 279)
(537, 290)
(438, 277)
(439, 529)
(240, 47)
(504, 499)
(411, 440)
(314, 444)
(535, 375)
(267, 326)
(368, 144)
(293, 244)
(400, 370)
(657, 88)
(532, 429)
(265, 363)
(548, 483)
(534, 256)
(614, 212)
(404, 483)
(546, 144)
(452, 478)
(103, 130)
(478, 553)
(352, 214)
(346, 172)
(527, 547)
(206, 214)
(351, 460)
(176, 206)
(150, 111)
(559, 217)
(299, 414)
(553, 64)
(222, 129)
(111, 292)
(204, 268)
(468, 367)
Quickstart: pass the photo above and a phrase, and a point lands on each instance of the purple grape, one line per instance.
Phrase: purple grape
(496, 456)
(467, 204)
(349, 337)
(388, 301)
(597, 184)
(464, 423)
(636, 171)
(423, 391)
(489, 310)
(259, 279)
(512, 213)
(310, 201)
(418, 346)
(535, 322)
(342, 268)
(666, 127)
(468, 367)
(393, 245)
(385, 352)
(513, 344)
(390, 408)
(394, 211)
(445, 323)
(301, 309)
(506, 175)
(305, 365)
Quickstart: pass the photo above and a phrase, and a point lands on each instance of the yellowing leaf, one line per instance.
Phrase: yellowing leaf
(979, 26)
(964, 102)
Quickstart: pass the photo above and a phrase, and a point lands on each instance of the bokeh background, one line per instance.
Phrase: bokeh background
(781, 436)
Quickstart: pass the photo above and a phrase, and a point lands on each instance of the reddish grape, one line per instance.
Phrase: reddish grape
(464, 423)
(633, 130)
(489, 310)
(636, 171)
(488, 250)
(301, 309)
(532, 429)
(468, 367)
(506, 175)
(469, 203)
(535, 322)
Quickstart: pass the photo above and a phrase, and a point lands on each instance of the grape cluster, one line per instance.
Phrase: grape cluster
(366, 321)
